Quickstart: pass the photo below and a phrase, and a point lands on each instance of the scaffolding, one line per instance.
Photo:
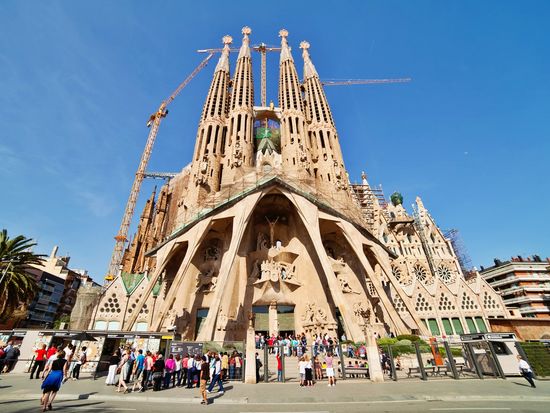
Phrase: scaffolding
(371, 201)
(462, 255)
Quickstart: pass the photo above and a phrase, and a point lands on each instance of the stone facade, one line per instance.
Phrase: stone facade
(264, 221)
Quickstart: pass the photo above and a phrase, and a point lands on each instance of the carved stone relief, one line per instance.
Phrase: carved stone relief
(206, 281)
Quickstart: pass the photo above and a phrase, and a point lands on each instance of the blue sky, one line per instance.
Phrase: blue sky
(470, 134)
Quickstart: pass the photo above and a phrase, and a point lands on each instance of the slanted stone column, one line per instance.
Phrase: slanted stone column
(375, 369)
(250, 366)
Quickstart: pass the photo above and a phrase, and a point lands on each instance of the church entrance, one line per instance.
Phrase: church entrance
(285, 320)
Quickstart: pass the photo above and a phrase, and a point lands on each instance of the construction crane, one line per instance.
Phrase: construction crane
(262, 48)
(160, 175)
(153, 123)
(363, 81)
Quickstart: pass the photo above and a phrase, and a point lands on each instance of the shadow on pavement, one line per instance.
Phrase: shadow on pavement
(522, 384)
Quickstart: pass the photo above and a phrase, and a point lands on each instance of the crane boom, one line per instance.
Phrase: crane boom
(153, 123)
(364, 81)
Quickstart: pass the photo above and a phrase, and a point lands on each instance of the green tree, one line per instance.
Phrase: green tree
(17, 286)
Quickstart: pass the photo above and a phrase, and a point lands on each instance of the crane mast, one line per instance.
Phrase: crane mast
(154, 123)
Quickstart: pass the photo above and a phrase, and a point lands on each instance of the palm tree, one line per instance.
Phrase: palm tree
(17, 286)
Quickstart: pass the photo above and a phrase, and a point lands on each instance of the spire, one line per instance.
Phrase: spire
(245, 48)
(285, 49)
(309, 69)
(238, 151)
(223, 63)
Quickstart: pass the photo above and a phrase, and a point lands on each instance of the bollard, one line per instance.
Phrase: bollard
(423, 374)
(451, 360)
(282, 355)
(474, 360)
(266, 364)
(342, 361)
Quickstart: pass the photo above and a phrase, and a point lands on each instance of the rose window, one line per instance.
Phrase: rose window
(420, 272)
(444, 273)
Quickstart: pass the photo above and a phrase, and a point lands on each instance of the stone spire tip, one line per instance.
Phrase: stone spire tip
(309, 69)
(283, 33)
(227, 39)
(245, 49)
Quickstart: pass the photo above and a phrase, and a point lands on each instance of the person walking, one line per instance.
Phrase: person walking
(82, 359)
(129, 365)
(51, 384)
(191, 370)
(69, 353)
(137, 372)
(216, 378)
(122, 371)
(39, 361)
(204, 376)
(329, 362)
(526, 371)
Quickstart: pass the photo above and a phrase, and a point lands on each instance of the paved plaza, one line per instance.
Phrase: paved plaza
(19, 394)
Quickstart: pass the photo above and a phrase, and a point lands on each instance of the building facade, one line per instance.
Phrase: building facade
(523, 283)
(264, 224)
(57, 292)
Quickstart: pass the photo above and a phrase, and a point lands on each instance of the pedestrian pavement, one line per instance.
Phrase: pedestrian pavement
(20, 387)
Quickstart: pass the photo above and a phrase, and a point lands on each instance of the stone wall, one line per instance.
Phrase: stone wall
(523, 328)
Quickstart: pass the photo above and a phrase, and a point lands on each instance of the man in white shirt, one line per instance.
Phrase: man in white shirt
(526, 371)
(216, 377)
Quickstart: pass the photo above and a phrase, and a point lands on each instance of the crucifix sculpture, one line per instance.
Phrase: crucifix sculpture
(271, 230)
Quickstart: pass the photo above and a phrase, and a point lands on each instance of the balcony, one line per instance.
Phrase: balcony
(527, 299)
(532, 310)
(513, 279)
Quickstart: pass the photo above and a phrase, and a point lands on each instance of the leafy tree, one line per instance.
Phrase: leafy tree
(17, 286)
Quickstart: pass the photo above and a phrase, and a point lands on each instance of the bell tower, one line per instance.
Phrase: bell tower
(329, 163)
(239, 151)
(206, 165)
(295, 153)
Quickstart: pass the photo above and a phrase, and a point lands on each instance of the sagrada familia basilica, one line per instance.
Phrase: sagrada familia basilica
(265, 221)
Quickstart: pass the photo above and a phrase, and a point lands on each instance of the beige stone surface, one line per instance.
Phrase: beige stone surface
(264, 219)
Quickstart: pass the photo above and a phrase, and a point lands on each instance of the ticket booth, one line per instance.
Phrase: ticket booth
(504, 346)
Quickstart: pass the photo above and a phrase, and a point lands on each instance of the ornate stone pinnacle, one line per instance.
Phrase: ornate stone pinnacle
(246, 30)
(304, 45)
(283, 33)
(227, 39)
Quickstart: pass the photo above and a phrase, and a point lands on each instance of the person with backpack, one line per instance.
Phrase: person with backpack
(82, 359)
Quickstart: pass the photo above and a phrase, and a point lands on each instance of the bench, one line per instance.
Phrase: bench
(428, 369)
(352, 372)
